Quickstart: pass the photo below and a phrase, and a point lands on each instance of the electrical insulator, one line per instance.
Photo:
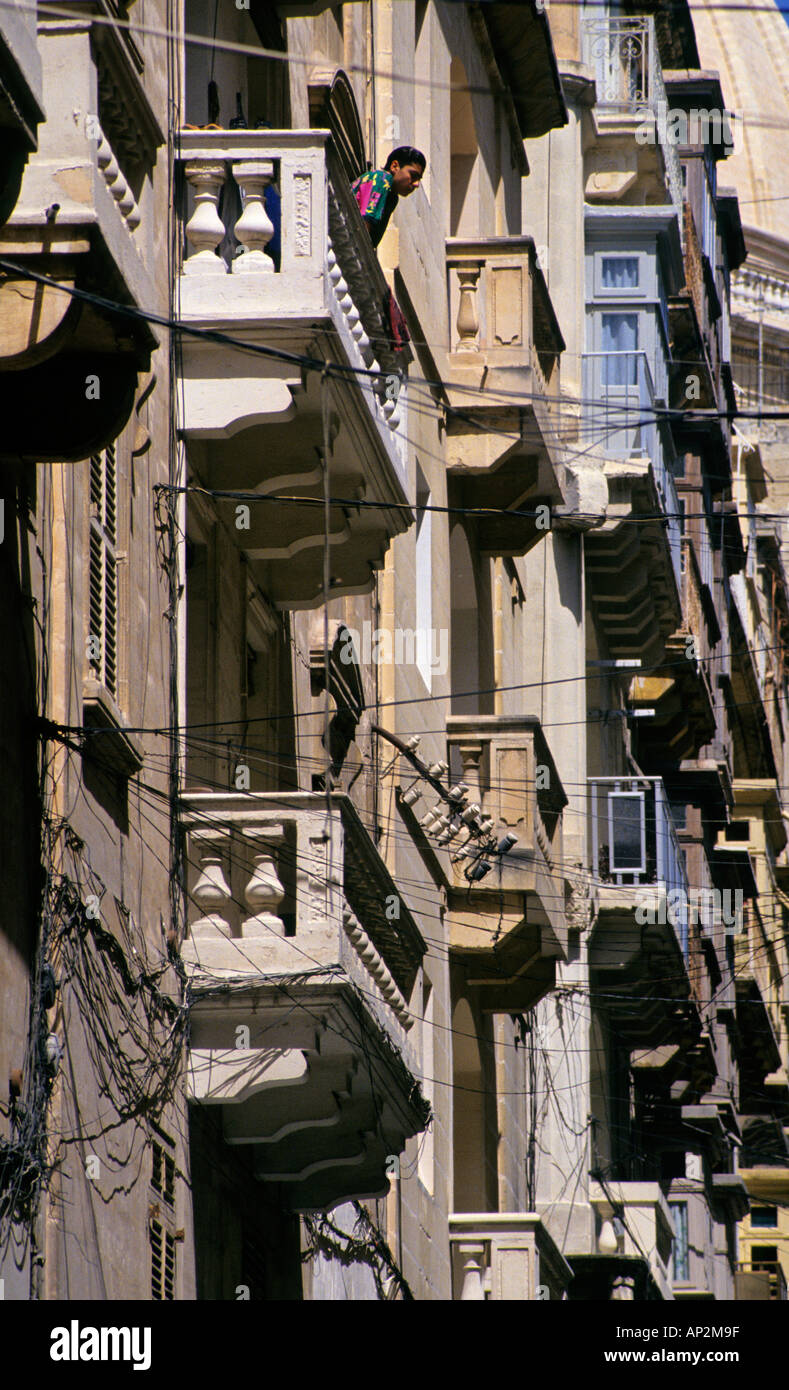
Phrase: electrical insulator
(457, 792)
(438, 769)
(507, 843)
(412, 795)
(470, 814)
(479, 870)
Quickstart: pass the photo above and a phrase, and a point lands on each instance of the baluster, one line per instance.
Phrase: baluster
(205, 228)
(468, 316)
(470, 757)
(211, 891)
(472, 1259)
(254, 228)
(264, 892)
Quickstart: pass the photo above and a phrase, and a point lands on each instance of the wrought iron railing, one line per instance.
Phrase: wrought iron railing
(634, 842)
(623, 52)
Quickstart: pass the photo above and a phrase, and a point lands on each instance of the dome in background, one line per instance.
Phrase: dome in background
(750, 51)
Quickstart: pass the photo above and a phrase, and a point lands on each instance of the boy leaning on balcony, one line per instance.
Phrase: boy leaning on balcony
(378, 191)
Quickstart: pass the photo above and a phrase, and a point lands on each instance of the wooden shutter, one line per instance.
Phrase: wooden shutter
(103, 570)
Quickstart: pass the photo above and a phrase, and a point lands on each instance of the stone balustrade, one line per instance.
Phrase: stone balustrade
(505, 1256)
(303, 961)
(500, 312)
(324, 245)
(115, 179)
(507, 920)
(633, 1219)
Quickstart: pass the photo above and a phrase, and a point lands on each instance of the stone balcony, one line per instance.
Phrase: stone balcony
(634, 1222)
(505, 1256)
(681, 694)
(758, 1018)
(504, 447)
(257, 423)
(77, 221)
(509, 927)
(302, 959)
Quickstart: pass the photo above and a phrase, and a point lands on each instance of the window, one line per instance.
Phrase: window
(619, 272)
(680, 1249)
(103, 571)
(162, 1263)
(738, 830)
(161, 1220)
(163, 1174)
(627, 832)
(764, 1216)
(620, 338)
(763, 1255)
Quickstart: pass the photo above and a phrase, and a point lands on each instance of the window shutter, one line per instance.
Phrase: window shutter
(103, 570)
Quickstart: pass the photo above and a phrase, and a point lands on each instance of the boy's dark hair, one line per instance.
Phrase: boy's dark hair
(406, 154)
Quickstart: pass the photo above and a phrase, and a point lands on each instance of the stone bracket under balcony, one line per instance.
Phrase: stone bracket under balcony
(504, 449)
(509, 929)
(684, 712)
(75, 223)
(631, 575)
(302, 960)
(258, 423)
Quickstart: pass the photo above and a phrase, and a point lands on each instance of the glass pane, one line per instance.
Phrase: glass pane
(620, 337)
(627, 832)
(679, 1211)
(764, 1216)
(620, 272)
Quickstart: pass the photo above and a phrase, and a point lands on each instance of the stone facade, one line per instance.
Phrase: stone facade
(404, 717)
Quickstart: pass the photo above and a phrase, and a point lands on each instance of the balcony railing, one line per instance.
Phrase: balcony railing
(623, 53)
(634, 1219)
(505, 1256)
(626, 422)
(507, 922)
(498, 758)
(760, 1280)
(325, 254)
(302, 961)
(500, 311)
(634, 842)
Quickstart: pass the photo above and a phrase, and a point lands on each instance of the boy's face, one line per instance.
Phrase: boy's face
(405, 177)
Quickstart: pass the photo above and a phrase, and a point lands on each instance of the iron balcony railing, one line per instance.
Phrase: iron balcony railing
(620, 400)
(624, 55)
(634, 842)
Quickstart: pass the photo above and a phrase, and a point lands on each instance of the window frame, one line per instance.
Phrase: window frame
(603, 291)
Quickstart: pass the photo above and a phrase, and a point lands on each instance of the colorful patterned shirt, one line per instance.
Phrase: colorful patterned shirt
(375, 194)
